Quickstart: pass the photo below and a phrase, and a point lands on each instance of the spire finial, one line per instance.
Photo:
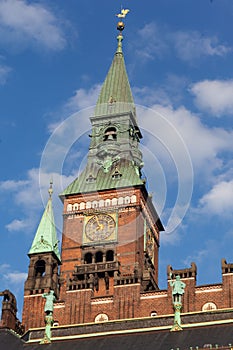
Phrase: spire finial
(120, 27)
(50, 190)
(123, 13)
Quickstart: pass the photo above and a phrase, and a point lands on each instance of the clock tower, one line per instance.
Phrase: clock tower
(110, 239)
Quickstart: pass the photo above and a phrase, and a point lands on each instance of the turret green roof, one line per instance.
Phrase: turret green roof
(45, 239)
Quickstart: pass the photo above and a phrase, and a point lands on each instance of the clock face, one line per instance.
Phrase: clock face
(99, 227)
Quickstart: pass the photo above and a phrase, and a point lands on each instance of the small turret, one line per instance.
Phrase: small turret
(9, 313)
(44, 254)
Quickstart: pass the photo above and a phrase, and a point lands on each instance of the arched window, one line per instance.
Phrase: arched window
(209, 306)
(153, 313)
(82, 205)
(110, 255)
(133, 199)
(116, 174)
(101, 318)
(88, 205)
(120, 200)
(114, 201)
(90, 178)
(107, 202)
(69, 207)
(88, 258)
(40, 268)
(127, 200)
(110, 134)
(99, 257)
(75, 206)
(94, 204)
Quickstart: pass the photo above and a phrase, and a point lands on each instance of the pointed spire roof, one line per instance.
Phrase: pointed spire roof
(116, 96)
(45, 239)
(115, 109)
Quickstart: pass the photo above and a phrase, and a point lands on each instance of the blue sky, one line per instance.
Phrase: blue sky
(54, 57)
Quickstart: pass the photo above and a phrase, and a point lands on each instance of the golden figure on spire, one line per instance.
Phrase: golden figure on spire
(123, 13)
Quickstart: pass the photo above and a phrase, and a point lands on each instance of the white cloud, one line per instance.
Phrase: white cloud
(171, 91)
(12, 185)
(4, 268)
(78, 103)
(28, 193)
(12, 277)
(204, 143)
(151, 42)
(83, 98)
(4, 73)
(15, 277)
(198, 256)
(147, 96)
(154, 41)
(171, 135)
(214, 96)
(23, 22)
(31, 196)
(192, 45)
(18, 225)
(219, 200)
(171, 238)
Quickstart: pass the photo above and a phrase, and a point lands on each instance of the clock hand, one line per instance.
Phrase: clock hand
(100, 227)
(97, 220)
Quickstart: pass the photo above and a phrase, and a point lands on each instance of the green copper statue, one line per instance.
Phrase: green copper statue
(50, 298)
(177, 291)
(48, 309)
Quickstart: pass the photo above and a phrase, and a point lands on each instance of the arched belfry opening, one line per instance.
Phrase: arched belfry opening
(40, 268)
(110, 255)
(110, 134)
(88, 258)
(99, 257)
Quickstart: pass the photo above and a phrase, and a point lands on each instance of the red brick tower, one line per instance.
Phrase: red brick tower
(111, 229)
(110, 240)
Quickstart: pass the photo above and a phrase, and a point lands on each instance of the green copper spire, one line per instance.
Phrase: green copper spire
(114, 158)
(45, 239)
(116, 95)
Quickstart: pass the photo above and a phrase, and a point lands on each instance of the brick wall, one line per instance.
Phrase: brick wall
(125, 296)
(127, 302)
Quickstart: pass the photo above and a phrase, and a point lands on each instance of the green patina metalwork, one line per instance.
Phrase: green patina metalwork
(177, 289)
(114, 158)
(177, 319)
(49, 304)
(177, 292)
(48, 309)
(105, 180)
(116, 95)
(48, 325)
(45, 239)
